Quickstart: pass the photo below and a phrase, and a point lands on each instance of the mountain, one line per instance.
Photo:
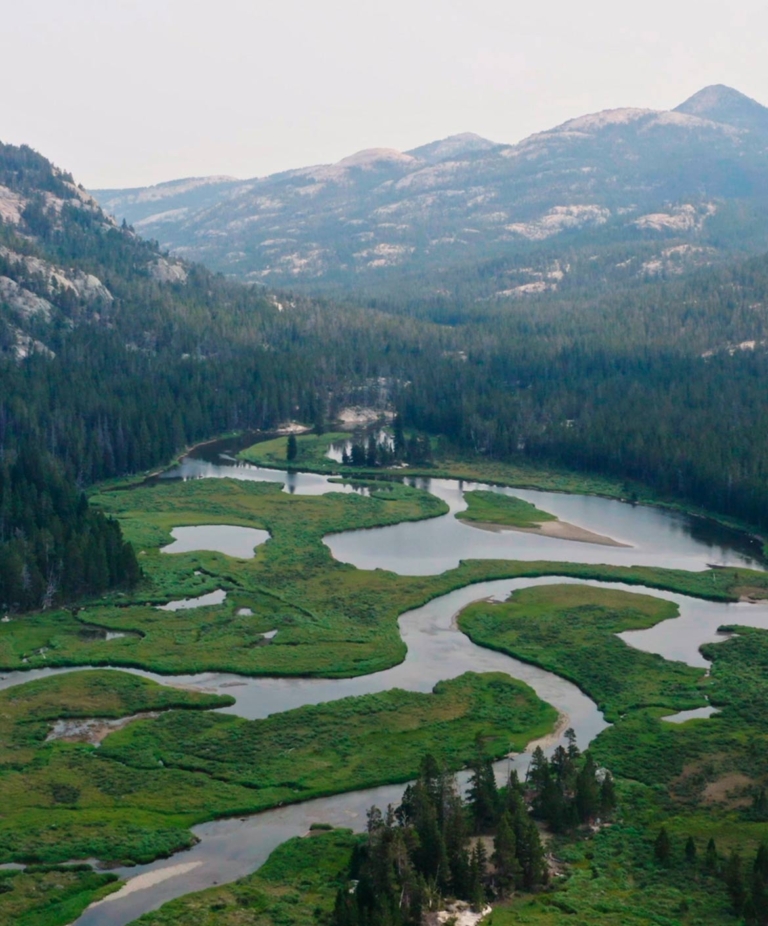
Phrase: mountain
(674, 188)
(63, 261)
(723, 104)
(452, 147)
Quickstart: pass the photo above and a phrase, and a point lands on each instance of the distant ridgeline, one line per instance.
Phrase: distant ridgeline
(604, 198)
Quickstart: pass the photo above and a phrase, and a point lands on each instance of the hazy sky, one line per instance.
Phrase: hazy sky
(132, 92)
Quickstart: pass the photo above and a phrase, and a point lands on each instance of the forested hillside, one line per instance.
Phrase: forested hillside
(663, 383)
(116, 356)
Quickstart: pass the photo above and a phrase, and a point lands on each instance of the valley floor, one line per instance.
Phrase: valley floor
(134, 797)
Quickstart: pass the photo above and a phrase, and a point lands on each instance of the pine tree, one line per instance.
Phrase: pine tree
(483, 792)
(477, 867)
(530, 856)
(758, 899)
(690, 851)
(607, 796)
(291, 448)
(759, 809)
(662, 848)
(508, 871)
(538, 770)
(587, 790)
(371, 454)
(710, 858)
(399, 437)
(734, 881)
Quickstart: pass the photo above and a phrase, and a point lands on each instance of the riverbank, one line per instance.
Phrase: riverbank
(558, 529)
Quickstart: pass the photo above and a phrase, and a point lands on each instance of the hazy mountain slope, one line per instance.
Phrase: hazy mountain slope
(723, 104)
(692, 178)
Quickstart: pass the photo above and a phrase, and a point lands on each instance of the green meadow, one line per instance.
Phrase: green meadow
(504, 510)
(135, 797)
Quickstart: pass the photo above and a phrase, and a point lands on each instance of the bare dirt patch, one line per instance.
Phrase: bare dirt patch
(92, 730)
(728, 790)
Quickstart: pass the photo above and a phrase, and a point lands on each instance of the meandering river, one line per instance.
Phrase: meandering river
(437, 650)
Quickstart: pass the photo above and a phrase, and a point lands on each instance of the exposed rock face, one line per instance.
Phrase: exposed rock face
(166, 271)
(44, 214)
(634, 173)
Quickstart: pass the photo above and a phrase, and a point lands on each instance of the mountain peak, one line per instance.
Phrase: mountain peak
(375, 157)
(720, 103)
(452, 147)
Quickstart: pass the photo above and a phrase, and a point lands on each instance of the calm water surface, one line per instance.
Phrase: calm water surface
(230, 539)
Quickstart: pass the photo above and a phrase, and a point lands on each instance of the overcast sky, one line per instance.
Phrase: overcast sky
(133, 92)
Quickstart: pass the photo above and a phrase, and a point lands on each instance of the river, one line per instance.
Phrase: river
(437, 650)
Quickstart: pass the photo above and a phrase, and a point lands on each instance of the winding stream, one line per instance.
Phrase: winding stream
(437, 650)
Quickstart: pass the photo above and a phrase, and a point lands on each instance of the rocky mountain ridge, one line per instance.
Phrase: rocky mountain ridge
(57, 254)
(676, 187)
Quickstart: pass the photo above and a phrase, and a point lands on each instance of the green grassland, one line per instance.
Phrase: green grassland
(295, 887)
(60, 801)
(609, 878)
(342, 745)
(729, 748)
(311, 452)
(571, 630)
(312, 449)
(135, 797)
(26, 711)
(50, 897)
(614, 880)
(504, 510)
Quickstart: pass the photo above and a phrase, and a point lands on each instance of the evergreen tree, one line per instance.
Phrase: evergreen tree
(690, 851)
(358, 454)
(734, 881)
(607, 796)
(759, 809)
(587, 790)
(399, 437)
(538, 771)
(477, 867)
(710, 858)
(758, 895)
(371, 454)
(662, 848)
(291, 448)
(508, 870)
(483, 792)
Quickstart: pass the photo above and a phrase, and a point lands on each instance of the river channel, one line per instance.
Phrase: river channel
(437, 650)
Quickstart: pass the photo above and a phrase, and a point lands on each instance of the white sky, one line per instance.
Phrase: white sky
(132, 92)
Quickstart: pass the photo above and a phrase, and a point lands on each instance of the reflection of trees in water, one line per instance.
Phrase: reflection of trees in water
(725, 539)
